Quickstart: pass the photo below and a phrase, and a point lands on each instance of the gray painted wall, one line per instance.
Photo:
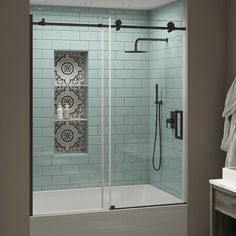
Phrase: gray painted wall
(206, 94)
(14, 94)
(231, 41)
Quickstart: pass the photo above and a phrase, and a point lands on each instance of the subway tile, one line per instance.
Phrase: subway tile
(42, 181)
(70, 170)
(80, 179)
(79, 45)
(117, 176)
(37, 73)
(142, 92)
(48, 132)
(89, 36)
(42, 122)
(43, 63)
(70, 35)
(42, 44)
(37, 93)
(48, 34)
(61, 45)
(60, 161)
(94, 178)
(133, 80)
(48, 74)
(37, 171)
(37, 53)
(79, 159)
(133, 175)
(52, 170)
(87, 169)
(133, 83)
(48, 54)
(60, 179)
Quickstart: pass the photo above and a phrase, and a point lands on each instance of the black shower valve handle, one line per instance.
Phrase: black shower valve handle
(171, 120)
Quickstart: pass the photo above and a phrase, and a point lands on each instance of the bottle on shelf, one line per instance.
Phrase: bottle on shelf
(67, 112)
(59, 112)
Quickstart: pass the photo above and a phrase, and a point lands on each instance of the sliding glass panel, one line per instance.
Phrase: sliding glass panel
(147, 107)
(67, 123)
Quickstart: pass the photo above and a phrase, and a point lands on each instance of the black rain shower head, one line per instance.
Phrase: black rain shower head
(145, 39)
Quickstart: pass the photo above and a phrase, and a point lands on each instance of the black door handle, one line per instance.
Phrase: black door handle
(179, 124)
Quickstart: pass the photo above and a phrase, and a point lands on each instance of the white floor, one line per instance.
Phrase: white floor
(98, 199)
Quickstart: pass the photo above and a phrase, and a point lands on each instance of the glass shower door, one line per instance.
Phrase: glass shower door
(137, 176)
(68, 159)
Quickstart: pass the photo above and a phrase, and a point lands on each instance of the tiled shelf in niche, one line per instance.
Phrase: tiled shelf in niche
(70, 87)
(82, 85)
(71, 119)
(75, 97)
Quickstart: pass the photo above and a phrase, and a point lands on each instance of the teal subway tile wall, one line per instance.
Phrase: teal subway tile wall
(133, 82)
(166, 66)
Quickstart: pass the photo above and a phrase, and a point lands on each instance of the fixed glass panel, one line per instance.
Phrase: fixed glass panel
(67, 119)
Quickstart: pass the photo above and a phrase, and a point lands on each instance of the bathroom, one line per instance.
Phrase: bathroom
(117, 140)
(105, 101)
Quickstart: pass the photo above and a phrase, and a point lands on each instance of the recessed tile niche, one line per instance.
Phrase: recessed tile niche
(70, 88)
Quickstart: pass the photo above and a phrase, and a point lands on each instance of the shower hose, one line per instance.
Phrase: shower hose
(157, 124)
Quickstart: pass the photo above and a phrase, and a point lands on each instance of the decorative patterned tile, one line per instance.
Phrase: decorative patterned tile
(69, 68)
(69, 136)
(74, 96)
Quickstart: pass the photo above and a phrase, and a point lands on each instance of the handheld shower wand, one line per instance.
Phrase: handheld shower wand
(158, 122)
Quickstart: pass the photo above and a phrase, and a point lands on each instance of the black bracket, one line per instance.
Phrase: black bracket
(171, 27)
(43, 23)
(112, 207)
(118, 24)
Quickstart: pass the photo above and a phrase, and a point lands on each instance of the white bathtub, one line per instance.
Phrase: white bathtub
(80, 213)
(90, 199)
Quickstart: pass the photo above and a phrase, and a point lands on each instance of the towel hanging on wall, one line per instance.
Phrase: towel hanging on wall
(229, 138)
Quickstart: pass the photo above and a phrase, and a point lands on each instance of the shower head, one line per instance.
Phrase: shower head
(145, 39)
(136, 51)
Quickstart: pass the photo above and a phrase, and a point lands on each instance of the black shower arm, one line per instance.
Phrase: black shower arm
(147, 39)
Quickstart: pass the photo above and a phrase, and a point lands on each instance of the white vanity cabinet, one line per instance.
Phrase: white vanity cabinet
(222, 200)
